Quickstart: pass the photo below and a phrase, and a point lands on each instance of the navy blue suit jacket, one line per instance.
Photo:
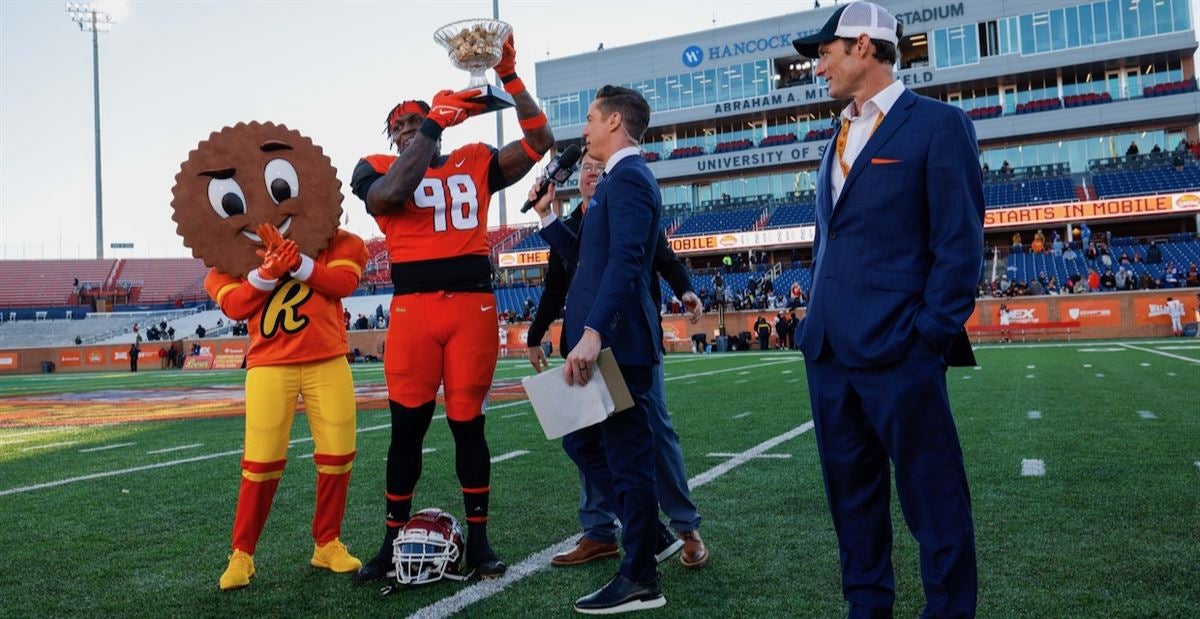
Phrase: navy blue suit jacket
(897, 259)
(610, 290)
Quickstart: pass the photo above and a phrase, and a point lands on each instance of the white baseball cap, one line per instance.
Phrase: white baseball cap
(848, 22)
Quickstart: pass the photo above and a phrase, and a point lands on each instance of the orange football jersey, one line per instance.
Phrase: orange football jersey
(447, 214)
(298, 321)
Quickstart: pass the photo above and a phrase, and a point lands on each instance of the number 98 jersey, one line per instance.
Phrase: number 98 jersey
(447, 214)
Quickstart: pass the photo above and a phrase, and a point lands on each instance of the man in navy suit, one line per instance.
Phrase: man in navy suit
(897, 255)
(609, 305)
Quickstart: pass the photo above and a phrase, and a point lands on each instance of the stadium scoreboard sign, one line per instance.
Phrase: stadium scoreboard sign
(1112, 208)
(702, 243)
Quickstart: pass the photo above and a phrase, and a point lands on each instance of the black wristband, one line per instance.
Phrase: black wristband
(431, 130)
(508, 78)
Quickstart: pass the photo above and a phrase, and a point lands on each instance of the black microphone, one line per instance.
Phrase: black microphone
(558, 172)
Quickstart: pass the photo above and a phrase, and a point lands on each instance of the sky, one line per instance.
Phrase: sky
(172, 72)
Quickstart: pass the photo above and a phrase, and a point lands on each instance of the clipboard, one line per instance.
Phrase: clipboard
(562, 408)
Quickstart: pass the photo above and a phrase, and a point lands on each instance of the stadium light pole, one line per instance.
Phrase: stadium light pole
(92, 18)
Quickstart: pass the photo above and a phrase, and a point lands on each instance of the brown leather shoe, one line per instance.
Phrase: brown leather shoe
(585, 550)
(694, 553)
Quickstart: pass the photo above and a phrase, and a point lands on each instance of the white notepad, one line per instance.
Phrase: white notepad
(563, 408)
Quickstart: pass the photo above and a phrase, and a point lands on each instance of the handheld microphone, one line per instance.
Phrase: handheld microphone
(558, 172)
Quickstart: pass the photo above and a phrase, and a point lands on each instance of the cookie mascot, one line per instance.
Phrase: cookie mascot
(259, 204)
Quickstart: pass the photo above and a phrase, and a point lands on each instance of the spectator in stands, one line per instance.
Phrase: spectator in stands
(1069, 253)
(1056, 246)
(1081, 285)
(1006, 169)
(1125, 258)
(200, 331)
(1091, 252)
(1157, 149)
(1171, 275)
(1137, 257)
(1005, 284)
(78, 341)
(1121, 279)
(1108, 281)
(1177, 161)
(727, 262)
(1183, 145)
(986, 170)
(1093, 281)
(162, 326)
(1016, 240)
(1052, 287)
(1132, 152)
(1036, 288)
(1039, 242)
(529, 307)
(1105, 257)
(380, 322)
(1086, 233)
(170, 333)
(1153, 254)
(1193, 276)
(1147, 282)
(362, 323)
(346, 318)
(795, 296)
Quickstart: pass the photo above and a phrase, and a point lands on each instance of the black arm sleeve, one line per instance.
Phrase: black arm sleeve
(496, 180)
(554, 295)
(671, 268)
(362, 179)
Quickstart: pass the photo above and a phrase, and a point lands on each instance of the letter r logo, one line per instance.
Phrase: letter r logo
(693, 56)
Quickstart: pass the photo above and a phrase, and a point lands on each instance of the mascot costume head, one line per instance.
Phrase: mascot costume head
(244, 176)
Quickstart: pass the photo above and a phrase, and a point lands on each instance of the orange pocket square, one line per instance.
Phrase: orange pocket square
(881, 161)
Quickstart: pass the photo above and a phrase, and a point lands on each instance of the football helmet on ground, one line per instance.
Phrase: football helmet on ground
(429, 548)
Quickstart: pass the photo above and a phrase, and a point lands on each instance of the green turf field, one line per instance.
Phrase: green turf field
(1112, 528)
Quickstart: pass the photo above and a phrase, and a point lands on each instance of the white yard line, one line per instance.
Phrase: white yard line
(49, 446)
(761, 456)
(540, 560)
(105, 447)
(27, 433)
(1033, 468)
(509, 456)
(514, 415)
(1034, 414)
(147, 467)
(179, 448)
(740, 415)
(1159, 352)
(1147, 415)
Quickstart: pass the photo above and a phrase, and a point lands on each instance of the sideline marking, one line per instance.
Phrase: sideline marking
(1033, 468)
(514, 415)
(1035, 414)
(49, 446)
(740, 415)
(105, 447)
(1159, 352)
(540, 560)
(740, 381)
(509, 456)
(179, 448)
(1186, 347)
(1147, 415)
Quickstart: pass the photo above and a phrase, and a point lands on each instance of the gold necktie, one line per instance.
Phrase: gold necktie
(844, 136)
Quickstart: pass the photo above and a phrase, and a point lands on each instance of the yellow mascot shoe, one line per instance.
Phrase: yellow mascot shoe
(237, 575)
(333, 556)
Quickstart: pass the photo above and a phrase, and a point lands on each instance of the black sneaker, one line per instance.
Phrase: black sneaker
(621, 595)
(666, 544)
(374, 570)
(484, 563)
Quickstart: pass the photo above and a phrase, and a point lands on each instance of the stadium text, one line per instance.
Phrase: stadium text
(945, 11)
(785, 155)
(1093, 209)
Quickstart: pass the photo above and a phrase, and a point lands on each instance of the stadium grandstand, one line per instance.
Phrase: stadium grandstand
(1086, 114)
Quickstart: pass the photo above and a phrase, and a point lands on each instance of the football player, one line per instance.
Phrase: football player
(432, 209)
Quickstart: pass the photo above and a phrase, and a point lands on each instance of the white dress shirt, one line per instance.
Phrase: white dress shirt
(861, 128)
